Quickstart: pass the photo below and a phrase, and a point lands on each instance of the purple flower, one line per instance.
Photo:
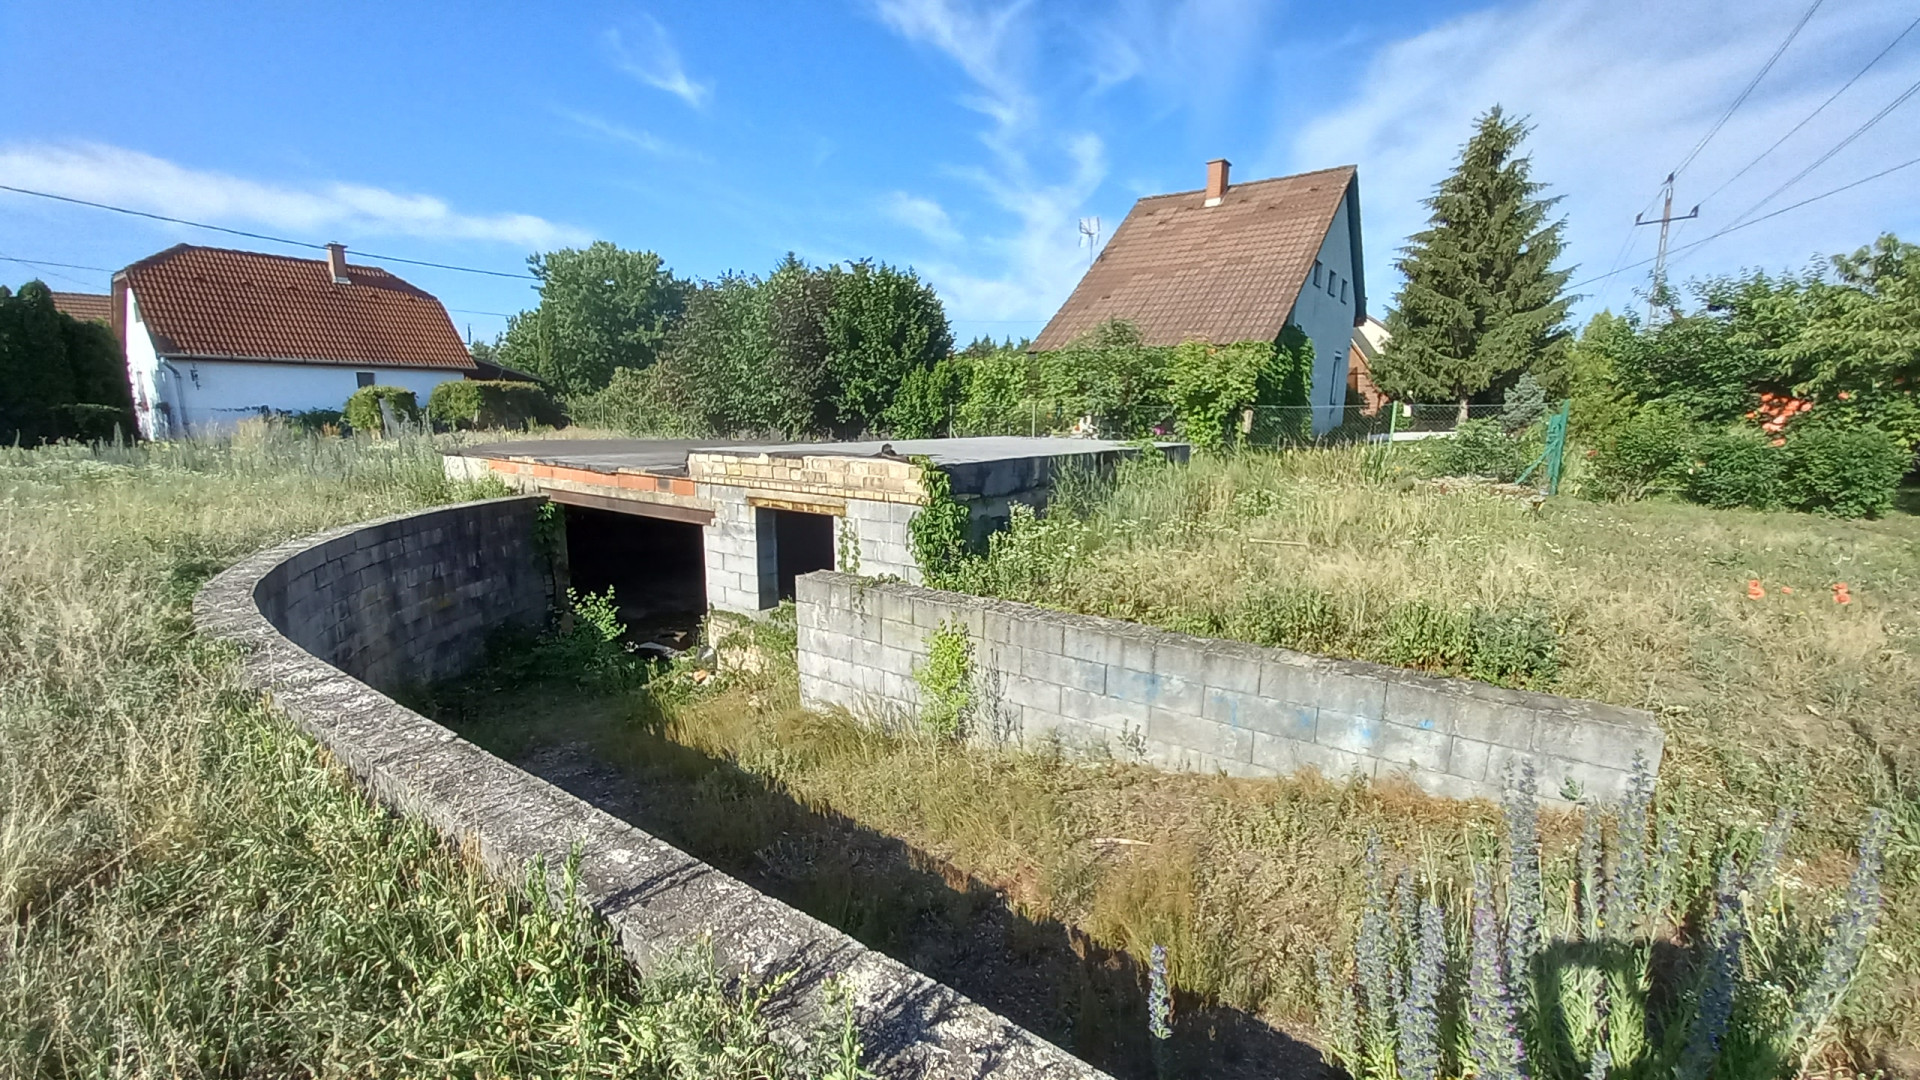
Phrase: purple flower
(1419, 1009)
(1523, 879)
(1492, 1041)
(1159, 1001)
(1713, 1006)
(1852, 925)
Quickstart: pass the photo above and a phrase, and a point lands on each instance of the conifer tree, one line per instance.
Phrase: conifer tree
(1482, 299)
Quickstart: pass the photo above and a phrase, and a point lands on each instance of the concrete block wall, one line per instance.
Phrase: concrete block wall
(878, 479)
(411, 600)
(1203, 704)
(881, 529)
(740, 568)
(426, 587)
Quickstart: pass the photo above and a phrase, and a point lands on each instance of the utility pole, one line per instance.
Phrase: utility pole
(1666, 219)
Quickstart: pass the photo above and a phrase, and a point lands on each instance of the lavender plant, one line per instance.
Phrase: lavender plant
(1576, 991)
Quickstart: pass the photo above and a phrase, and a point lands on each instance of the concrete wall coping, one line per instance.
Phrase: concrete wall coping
(656, 898)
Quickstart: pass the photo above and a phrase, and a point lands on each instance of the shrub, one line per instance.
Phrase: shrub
(638, 401)
(1523, 403)
(363, 408)
(1508, 647)
(938, 533)
(1292, 616)
(93, 423)
(1843, 471)
(1735, 468)
(946, 681)
(1479, 448)
(491, 403)
(1651, 451)
(317, 420)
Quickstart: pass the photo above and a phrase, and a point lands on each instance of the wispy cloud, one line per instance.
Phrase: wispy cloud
(1615, 108)
(642, 140)
(644, 51)
(1038, 176)
(122, 177)
(922, 215)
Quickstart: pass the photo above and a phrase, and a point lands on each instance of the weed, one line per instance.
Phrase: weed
(946, 681)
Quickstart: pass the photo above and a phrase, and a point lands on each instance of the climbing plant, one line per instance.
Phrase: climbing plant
(946, 680)
(938, 533)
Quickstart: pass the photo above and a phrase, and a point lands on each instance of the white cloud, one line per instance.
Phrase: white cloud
(1615, 107)
(111, 174)
(643, 140)
(1039, 177)
(924, 216)
(647, 54)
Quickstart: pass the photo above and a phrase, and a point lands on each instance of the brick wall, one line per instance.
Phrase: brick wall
(1202, 704)
(411, 600)
(879, 479)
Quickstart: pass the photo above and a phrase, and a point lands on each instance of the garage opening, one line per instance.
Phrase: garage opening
(802, 543)
(656, 568)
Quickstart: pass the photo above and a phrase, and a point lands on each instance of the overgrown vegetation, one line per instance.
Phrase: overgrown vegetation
(466, 404)
(1790, 700)
(946, 681)
(370, 407)
(60, 378)
(192, 889)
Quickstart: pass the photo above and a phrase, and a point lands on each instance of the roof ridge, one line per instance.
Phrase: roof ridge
(1238, 184)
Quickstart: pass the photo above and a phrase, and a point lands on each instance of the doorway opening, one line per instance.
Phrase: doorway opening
(802, 543)
(656, 568)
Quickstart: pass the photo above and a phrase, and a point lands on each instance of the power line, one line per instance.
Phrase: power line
(50, 273)
(253, 235)
(1744, 94)
(43, 262)
(1744, 224)
(1837, 147)
(1881, 55)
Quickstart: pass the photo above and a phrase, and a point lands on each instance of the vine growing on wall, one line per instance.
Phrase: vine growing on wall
(946, 680)
(938, 533)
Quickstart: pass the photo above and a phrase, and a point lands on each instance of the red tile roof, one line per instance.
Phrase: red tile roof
(214, 303)
(1181, 270)
(85, 306)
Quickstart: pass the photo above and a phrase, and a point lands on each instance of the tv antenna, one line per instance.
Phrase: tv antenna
(1090, 236)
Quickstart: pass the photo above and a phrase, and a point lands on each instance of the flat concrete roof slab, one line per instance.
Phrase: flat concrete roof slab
(669, 456)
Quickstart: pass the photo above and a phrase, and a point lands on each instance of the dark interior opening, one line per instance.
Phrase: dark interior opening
(802, 543)
(656, 568)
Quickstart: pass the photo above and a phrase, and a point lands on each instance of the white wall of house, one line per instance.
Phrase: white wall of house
(151, 411)
(1324, 310)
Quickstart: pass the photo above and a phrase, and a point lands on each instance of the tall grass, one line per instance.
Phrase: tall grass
(191, 889)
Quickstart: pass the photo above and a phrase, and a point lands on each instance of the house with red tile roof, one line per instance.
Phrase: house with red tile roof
(85, 306)
(214, 336)
(1236, 262)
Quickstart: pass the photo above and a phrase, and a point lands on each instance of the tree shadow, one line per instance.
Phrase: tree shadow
(1046, 976)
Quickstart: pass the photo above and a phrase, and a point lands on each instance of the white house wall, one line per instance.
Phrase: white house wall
(1326, 315)
(210, 396)
(151, 409)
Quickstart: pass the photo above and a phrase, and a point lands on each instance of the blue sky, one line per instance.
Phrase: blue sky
(965, 139)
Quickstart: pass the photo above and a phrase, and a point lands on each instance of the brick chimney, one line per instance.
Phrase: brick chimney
(337, 263)
(1217, 180)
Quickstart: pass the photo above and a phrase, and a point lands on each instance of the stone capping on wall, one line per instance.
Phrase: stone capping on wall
(657, 899)
(1204, 704)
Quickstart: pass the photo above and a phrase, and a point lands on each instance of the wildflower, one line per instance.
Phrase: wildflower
(1840, 593)
(1754, 591)
(1493, 1041)
(1523, 877)
(1627, 896)
(1725, 937)
(1419, 1009)
(1338, 1014)
(1373, 956)
(1851, 926)
(1159, 1001)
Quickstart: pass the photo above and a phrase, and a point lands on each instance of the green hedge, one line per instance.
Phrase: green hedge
(491, 403)
(363, 408)
(1843, 471)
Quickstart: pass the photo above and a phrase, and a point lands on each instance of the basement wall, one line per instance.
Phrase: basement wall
(1202, 704)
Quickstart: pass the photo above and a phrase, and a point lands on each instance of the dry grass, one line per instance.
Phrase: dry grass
(189, 888)
(1791, 700)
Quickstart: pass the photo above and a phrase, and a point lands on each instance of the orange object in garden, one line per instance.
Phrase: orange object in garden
(1840, 594)
(1754, 591)
(1788, 589)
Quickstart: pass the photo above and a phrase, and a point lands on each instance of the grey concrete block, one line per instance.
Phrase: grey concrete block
(1198, 733)
(1283, 718)
(1065, 670)
(1231, 666)
(1107, 712)
(1287, 676)
(1083, 640)
(1287, 756)
(1499, 724)
(1344, 731)
(1468, 758)
(1421, 750)
(1041, 634)
(1345, 690)
(1033, 694)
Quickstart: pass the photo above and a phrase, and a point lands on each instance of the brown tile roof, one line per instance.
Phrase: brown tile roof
(216, 303)
(1181, 270)
(85, 306)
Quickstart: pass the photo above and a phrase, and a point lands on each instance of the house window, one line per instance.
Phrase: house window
(1316, 274)
(363, 378)
(1333, 280)
(1343, 292)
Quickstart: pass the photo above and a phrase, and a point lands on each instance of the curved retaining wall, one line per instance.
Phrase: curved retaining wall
(326, 620)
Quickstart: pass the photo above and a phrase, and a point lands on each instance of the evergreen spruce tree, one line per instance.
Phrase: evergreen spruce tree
(1481, 299)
